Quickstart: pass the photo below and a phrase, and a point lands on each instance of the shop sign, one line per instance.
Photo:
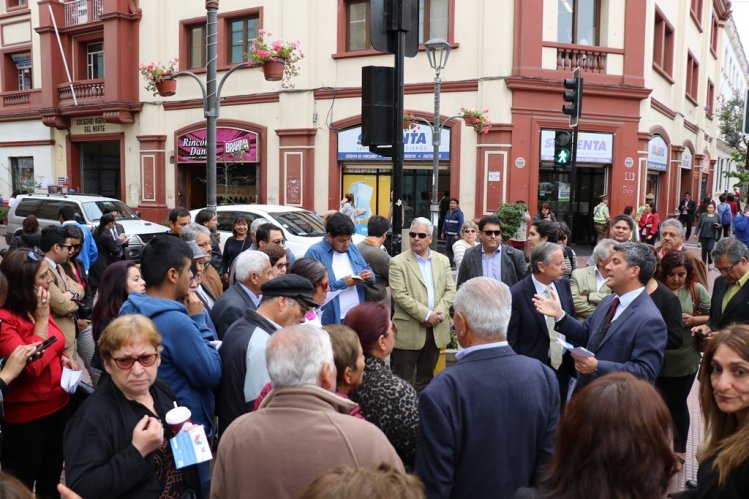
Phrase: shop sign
(686, 159)
(233, 145)
(417, 145)
(657, 154)
(591, 147)
(90, 125)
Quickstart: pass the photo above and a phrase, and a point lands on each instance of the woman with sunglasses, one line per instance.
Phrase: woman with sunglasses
(315, 271)
(36, 408)
(127, 450)
(468, 233)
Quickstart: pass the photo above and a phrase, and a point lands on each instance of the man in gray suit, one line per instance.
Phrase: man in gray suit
(491, 258)
(252, 271)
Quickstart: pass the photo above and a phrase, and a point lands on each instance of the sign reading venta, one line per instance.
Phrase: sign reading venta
(233, 145)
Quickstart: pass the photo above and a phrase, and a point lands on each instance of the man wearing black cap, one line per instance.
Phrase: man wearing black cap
(285, 301)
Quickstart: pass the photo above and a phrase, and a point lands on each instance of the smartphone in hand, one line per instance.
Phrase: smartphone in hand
(41, 348)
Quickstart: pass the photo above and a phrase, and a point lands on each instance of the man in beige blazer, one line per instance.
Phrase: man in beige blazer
(589, 283)
(423, 291)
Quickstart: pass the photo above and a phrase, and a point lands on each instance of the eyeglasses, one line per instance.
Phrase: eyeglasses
(145, 360)
(68, 246)
(302, 306)
(726, 271)
(420, 235)
(469, 230)
(492, 232)
(323, 285)
(279, 241)
(76, 247)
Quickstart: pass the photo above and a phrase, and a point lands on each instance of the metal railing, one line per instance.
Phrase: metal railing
(82, 11)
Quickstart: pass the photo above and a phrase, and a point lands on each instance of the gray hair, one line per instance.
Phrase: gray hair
(730, 247)
(486, 305)
(542, 254)
(469, 224)
(295, 355)
(249, 261)
(640, 255)
(672, 222)
(257, 223)
(602, 250)
(423, 221)
(191, 231)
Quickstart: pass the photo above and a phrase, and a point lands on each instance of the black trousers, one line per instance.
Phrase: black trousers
(675, 392)
(707, 244)
(687, 223)
(32, 452)
(416, 366)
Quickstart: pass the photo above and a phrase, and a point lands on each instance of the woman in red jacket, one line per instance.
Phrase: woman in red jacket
(649, 224)
(36, 409)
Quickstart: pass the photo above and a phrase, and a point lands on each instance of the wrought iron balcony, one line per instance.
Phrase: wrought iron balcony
(82, 11)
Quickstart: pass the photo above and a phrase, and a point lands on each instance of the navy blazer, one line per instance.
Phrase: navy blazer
(737, 309)
(513, 266)
(635, 342)
(527, 331)
(230, 307)
(486, 425)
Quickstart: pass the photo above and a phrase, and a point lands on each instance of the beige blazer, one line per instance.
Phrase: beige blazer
(584, 294)
(62, 308)
(410, 297)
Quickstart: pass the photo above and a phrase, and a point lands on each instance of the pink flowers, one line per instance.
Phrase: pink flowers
(153, 72)
(477, 119)
(289, 53)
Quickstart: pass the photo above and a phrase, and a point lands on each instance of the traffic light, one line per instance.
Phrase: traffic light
(574, 96)
(562, 148)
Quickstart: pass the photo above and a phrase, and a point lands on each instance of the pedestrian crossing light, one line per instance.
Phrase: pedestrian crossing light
(573, 98)
(562, 148)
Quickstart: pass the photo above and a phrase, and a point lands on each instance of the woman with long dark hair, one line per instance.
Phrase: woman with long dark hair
(317, 273)
(36, 408)
(235, 244)
(604, 448)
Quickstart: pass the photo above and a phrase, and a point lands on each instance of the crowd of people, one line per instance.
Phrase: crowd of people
(316, 373)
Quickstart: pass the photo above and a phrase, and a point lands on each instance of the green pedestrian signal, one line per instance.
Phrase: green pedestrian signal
(562, 148)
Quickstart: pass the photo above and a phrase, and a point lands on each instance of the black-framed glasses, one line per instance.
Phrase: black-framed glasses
(68, 246)
(302, 306)
(728, 270)
(492, 232)
(279, 241)
(76, 247)
(420, 235)
(145, 360)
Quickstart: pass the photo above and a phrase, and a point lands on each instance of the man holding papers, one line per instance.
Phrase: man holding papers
(626, 332)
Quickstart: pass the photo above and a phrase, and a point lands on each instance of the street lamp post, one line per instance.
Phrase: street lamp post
(438, 51)
(211, 97)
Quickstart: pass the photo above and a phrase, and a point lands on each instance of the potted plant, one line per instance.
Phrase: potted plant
(154, 74)
(409, 121)
(477, 119)
(511, 215)
(278, 58)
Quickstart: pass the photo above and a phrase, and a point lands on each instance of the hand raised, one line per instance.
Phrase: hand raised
(148, 435)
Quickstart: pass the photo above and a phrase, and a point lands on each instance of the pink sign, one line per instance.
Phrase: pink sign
(233, 145)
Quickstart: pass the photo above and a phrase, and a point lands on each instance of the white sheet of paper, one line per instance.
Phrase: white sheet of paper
(70, 379)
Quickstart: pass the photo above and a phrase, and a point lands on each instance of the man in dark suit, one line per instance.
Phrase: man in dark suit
(530, 332)
(626, 332)
(491, 258)
(494, 410)
(687, 208)
(730, 290)
(252, 271)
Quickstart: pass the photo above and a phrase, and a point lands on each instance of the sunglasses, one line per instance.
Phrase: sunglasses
(68, 246)
(324, 285)
(145, 360)
(76, 247)
(492, 232)
(420, 235)
(302, 306)
(279, 241)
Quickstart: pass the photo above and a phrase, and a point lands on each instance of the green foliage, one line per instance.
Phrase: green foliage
(730, 119)
(511, 216)
(3, 214)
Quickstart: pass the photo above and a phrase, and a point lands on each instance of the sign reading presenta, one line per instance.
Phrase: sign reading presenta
(417, 145)
(591, 147)
(657, 154)
(233, 145)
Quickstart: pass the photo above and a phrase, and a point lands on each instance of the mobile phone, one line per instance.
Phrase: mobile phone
(356, 278)
(47, 343)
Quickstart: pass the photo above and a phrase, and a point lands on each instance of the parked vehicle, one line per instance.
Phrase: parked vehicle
(302, 228)
(88, 209)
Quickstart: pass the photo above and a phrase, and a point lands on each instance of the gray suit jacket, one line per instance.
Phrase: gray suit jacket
(230, 307)
(513, 265)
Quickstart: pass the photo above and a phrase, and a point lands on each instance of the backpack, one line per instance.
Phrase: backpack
(725, 217)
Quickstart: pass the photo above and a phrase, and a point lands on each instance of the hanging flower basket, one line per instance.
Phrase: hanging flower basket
(408, 121)
(273, 69)
(166, 88)
(477, 120)
(468, 120)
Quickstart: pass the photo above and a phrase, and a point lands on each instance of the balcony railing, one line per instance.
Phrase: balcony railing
(21, 98)
(86, 92)
(82, 11)
(588, 59)
(20, 101)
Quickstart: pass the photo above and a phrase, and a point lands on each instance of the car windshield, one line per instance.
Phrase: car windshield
(300, 223)
(94, 210)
